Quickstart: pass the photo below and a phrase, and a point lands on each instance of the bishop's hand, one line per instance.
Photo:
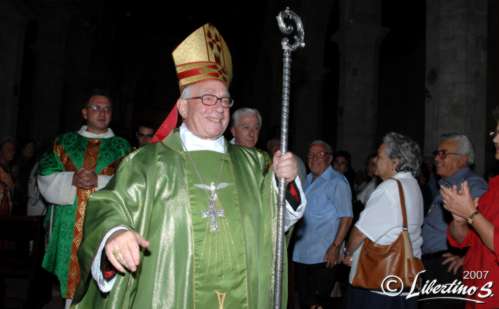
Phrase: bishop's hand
(285, 166)
(123, 250)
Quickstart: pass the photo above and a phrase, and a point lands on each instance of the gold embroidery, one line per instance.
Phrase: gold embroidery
(90, 162)
(64, 157)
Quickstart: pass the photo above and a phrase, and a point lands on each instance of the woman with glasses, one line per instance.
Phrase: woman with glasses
(475, 226)
(398, 159)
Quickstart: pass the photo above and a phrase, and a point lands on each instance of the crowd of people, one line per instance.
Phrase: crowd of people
(187, 219)
(18, 196)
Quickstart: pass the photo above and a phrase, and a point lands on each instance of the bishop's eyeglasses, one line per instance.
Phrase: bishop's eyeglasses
(211, 99)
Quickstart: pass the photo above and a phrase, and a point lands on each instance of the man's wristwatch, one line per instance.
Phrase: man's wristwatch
(470, 218)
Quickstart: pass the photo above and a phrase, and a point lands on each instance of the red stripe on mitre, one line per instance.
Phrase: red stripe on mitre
(197, 71)
(214, 74)
(189, 73)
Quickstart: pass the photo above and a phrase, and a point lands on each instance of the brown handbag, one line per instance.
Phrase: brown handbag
(376, 262)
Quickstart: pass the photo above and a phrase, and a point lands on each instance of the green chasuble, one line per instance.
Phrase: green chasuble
(196, 258)
(70, 153)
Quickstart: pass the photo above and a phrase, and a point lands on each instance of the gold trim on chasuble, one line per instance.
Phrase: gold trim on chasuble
(90, 163)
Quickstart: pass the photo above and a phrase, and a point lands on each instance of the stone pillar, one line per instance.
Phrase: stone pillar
(456, 64)
(12, 32)
(49, 71)
(358, 38)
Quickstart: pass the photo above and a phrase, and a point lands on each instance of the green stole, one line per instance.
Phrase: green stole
(219, 258)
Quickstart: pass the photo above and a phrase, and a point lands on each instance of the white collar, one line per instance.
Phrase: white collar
(192, 142)
(83, 132)
(402, 175)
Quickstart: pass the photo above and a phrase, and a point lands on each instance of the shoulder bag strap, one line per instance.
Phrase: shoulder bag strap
(402, 203)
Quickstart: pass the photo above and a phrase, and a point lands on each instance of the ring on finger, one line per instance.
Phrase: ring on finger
(118, 256)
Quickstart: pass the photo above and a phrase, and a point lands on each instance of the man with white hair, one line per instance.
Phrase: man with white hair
(326, 222)
(246, 125)
(453, 159)
(189, 221)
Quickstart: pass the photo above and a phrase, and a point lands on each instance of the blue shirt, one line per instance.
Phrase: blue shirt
(434, 224)
(328, 199)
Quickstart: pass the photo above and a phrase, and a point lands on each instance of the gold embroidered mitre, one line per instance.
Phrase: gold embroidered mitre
(203, 55)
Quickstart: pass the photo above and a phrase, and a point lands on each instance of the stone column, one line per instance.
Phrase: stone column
(12, 32)
(359, 39)
(456, 63)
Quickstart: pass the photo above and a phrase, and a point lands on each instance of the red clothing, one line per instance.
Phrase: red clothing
(479, 257)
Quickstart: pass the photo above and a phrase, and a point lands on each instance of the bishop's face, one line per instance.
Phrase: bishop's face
(204, 121)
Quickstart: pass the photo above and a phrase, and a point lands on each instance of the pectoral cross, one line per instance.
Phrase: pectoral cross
(212, 212)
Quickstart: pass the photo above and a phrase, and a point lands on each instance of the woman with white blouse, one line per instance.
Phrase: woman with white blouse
(399, 158)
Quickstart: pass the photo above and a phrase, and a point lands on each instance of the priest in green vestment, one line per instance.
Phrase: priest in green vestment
(79, 164)
(189, 221)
